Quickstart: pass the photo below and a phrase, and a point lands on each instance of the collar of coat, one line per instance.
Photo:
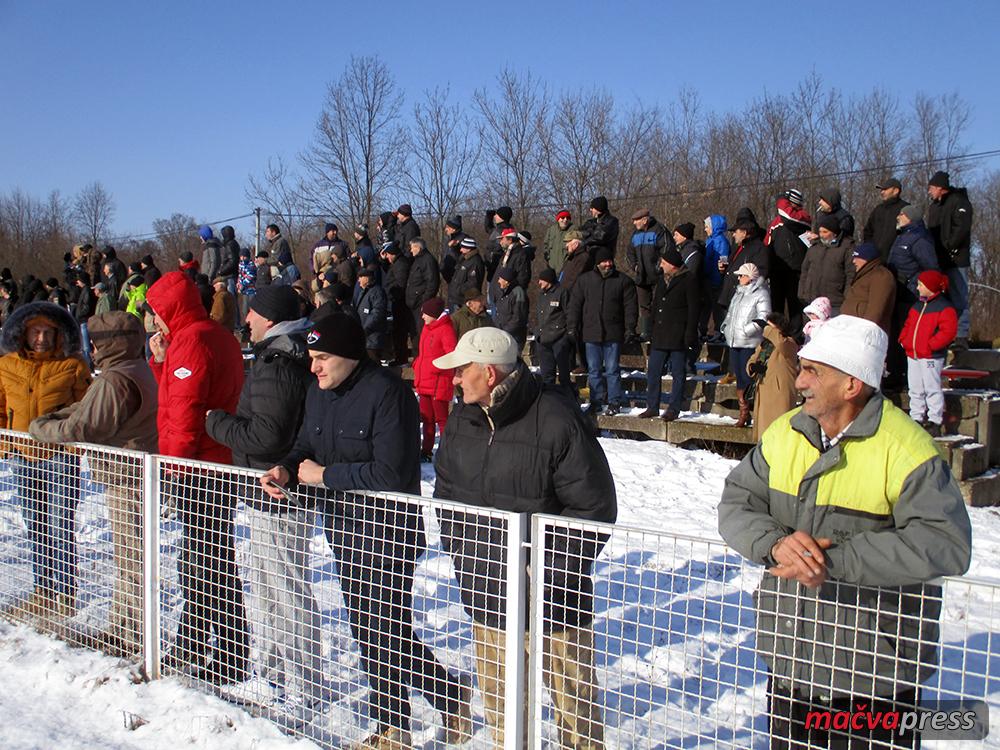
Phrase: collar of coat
(864, 425)
(512, 397)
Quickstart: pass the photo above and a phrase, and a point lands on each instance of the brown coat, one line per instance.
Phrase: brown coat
(871, 295)
(119, 407)
(776, 393)
(224, 309)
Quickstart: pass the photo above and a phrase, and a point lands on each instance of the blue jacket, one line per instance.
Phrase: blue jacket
(912, 252)
(716, 246)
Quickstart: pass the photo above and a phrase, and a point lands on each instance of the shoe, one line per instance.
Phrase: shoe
(649, 413)
(933, 429)
(613, 410)
(426, 458)
(578, 371)
(256, 691)
(594, 408)
(390, 739)
(670, 415)
(297, 712)
(458, 726)
(960, 344)
(727, 379)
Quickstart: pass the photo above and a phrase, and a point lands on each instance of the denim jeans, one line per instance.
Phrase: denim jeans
(677, 359)
(49, 491)
(85, 341)
(958, 293)
(604, 373)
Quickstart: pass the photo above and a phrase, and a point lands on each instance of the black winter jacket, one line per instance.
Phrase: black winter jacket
(373, 309)
(469, 273)
(833, 197)
(753, 251)
(643, 253)
(552, 307)
(85, 305)
(605, 309)
(395, 277)
(451, 256)
(405, 232)
(880, 229)
(512, 312)
(271, 405)
(950, 223)
(229, 266)
(517, 259)
(601, 232)
(560, 469)
(789, 250)
(675, 311)
(423, 281)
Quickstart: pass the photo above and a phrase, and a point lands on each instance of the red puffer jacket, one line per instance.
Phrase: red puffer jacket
(436, 340)
(202, 370)
(929, 329)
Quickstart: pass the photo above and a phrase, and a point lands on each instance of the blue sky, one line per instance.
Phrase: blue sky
(172, 104)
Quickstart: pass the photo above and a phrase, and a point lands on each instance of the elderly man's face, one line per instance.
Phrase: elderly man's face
(935, 193)
(823, 388)
(475, 381)
(889, 193)
(40, 337)
(739, 235)
(258, 324)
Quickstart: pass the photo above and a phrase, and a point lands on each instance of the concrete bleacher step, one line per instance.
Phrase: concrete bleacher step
(680, 431)
(982, 491)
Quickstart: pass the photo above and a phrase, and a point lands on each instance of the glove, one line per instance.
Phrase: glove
(761, 324)
(632, 338)
(756, 368)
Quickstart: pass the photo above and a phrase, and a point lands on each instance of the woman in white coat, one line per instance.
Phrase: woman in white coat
(744, 327)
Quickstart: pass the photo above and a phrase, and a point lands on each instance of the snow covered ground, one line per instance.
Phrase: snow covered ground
(672, 633)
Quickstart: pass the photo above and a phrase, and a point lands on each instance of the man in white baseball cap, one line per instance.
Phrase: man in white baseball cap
(851, 508)
(516, 445)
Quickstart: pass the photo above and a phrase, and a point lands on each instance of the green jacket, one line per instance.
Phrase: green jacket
(136, 296)
(888, 501)
(555, 247)
(464, 321)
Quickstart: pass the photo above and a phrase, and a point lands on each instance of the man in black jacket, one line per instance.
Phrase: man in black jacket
(421, 285)
(407, 228)
(603, 306)
(675, 330)
(512, 255)
(949, 220)
(469, 273)
(511, 306)
(229, 265)
(261, 433)
(515, 445)
(748, 247)
(373, 309)
(649, 239)
(601, 229)
(361, 432)
(880, 229)
(554, 346)
(787, 256)
(395, 277)
(451, 253)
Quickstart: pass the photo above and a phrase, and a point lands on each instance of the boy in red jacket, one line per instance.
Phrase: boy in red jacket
(929, 329)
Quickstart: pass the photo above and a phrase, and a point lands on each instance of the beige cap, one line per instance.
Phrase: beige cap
(484, 346)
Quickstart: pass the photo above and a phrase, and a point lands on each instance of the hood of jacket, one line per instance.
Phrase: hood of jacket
(831, 196)
(118, 336)
(719, 225)
(228, 233)
(177, 301)
(15, 327)
(287, 338)
(388, 219)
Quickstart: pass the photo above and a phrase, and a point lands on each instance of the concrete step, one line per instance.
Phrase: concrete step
(982, 491)
(679, 431)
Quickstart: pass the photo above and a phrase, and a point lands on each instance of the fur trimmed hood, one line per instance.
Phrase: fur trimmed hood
(12, 338)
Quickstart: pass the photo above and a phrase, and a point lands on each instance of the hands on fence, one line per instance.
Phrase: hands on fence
(800, 557)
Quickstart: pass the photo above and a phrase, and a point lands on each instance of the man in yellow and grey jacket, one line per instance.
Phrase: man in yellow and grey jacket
(853, 511)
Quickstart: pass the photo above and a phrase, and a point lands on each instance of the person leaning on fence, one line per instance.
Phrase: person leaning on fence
(852, 509)
(260, 433)
(118, 410)
(42, 370)
(360, 435)
(198, 366)
(514, 444)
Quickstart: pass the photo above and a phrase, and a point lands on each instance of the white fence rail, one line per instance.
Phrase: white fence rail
(341, 616)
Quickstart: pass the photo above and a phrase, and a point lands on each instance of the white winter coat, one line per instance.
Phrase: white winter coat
(751, 302)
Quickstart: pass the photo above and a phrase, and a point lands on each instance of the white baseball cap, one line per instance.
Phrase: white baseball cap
(484, 346)
(854, 346)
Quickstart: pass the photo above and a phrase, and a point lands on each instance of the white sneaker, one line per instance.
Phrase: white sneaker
(253, 692)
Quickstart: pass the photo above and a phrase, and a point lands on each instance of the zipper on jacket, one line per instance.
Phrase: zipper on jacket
(917, 328)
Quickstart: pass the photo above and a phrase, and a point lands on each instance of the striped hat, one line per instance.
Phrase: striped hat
(794, 197)
(468, 242)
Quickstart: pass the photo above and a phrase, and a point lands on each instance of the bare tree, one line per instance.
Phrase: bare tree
(176, 234)
(281, 194)
(93, 211)
(443, 156)
(511, 143)
(984, 296)
(358, 148)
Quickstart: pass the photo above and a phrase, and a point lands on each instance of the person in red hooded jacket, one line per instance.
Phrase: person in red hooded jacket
(930, 327)
(432, 384)
(198, 366)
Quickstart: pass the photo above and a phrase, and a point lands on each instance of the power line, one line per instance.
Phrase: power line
(153, 235)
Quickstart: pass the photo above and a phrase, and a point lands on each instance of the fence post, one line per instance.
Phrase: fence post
(536, 631)
(514, 652)
(151, 565)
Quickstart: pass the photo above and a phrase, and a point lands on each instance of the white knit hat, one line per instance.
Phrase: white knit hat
(854, 346)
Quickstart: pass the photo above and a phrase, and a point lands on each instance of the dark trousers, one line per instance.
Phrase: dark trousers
(787, 712)
(402, 321)
(645, 295)
(895, 357)
(376, 543)
(677, 359)
(210, 583)
(785, 293)
(555, 361)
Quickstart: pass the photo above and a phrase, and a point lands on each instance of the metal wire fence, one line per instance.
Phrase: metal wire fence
(362, 620)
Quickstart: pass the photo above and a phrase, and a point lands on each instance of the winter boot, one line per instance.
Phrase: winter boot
(744, 419)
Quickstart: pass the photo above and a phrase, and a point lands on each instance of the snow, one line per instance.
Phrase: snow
(671, 631)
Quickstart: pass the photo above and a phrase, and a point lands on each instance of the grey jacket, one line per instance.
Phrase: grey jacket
(751, 302)
(888, 501)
